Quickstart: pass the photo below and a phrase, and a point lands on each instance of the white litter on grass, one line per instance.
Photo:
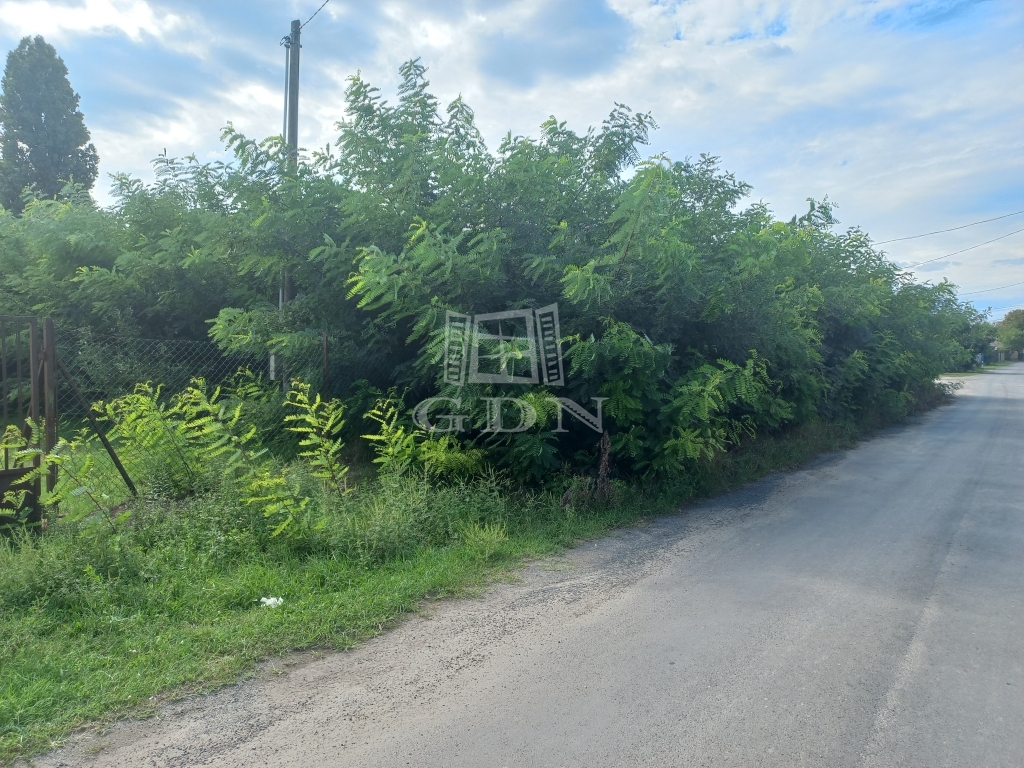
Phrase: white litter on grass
(271, 602)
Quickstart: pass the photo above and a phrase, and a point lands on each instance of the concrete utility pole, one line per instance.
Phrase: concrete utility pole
(292, 123)
(293, 44)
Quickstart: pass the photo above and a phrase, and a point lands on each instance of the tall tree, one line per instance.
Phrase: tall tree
(1010, 331)
(43, 138)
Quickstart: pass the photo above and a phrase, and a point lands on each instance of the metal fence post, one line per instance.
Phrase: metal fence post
(50, 397)
(326, 391)
(35, 389)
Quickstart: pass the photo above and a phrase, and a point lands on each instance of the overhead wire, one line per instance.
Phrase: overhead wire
(952, 229)
(997, 288)
(1009, 308)
(963, 250)
(315, 13)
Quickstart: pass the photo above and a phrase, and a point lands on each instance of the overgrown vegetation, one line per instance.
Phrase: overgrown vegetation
(97, 624)
(670, 291)
(723, 342)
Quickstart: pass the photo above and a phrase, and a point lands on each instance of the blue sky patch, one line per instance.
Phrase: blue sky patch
(924, 14)
(777, 27)
(572, 38)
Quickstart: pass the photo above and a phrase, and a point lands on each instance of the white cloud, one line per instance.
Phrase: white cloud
(59, 21)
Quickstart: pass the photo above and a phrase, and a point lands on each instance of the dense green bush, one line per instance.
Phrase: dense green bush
(700, 317)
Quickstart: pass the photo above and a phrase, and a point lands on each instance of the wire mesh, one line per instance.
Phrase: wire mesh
(106, 367)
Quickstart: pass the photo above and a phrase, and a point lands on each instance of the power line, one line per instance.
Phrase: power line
(954, 229)
(999, 288)
(964, 250)
(322, 7)
(1006, 306)
(1006, 309)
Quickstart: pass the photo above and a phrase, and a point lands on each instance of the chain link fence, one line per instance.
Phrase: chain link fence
(103, 368)
(106, 367)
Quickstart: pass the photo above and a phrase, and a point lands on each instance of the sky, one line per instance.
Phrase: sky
(907, 114)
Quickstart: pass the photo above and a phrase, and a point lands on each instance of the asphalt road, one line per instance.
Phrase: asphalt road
(865, 611)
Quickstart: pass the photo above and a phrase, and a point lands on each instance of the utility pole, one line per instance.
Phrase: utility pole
(293, 45)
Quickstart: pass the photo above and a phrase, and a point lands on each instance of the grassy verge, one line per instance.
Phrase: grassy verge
(980, 369)
(106, 626)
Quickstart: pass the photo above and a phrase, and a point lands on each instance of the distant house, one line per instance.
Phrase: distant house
(997, 354)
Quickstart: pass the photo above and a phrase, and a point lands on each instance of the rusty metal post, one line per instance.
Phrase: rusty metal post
(324, 388)
(4, 421)
(19, 377)
(50, 415)
(34, 344)
(33, 368)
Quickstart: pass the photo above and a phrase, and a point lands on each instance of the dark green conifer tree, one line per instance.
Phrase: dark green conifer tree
(43, 139)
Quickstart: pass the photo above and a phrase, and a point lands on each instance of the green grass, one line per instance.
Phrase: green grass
(981, 369)
(103, 626)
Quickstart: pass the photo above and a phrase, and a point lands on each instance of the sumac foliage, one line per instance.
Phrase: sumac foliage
(700, 318)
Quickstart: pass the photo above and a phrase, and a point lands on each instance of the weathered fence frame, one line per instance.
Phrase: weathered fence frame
(34, 385)
(28, 372)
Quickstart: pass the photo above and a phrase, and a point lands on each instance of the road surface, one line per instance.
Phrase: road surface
(865, 611)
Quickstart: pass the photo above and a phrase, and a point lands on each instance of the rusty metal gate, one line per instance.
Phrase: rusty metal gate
(28, 394)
